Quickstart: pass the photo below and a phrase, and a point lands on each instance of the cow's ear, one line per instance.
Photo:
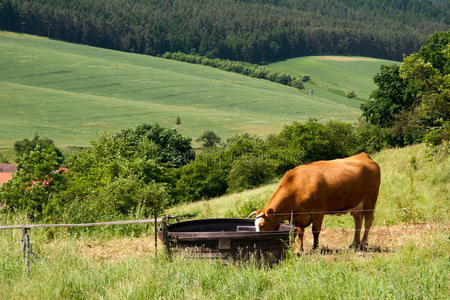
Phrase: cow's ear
(269, 211)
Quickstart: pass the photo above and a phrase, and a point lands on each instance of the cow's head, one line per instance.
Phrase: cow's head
(265, 221)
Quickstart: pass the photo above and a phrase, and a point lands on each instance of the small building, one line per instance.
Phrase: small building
(6, 172)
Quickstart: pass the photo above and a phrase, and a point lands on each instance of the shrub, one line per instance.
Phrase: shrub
(31, 186)
(350, 94)
(297, 83)
(305, 78)
(370, 138)
(26, 146)
(200, 179)
(250, 171)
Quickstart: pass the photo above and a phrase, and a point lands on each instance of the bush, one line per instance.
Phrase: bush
(130, 196)
(26, 146)
(297, 83)
(305, 78)
(30, 188)
(201, 179)
(370, 138)
(173, 149)
(351, 94)
(250, 171)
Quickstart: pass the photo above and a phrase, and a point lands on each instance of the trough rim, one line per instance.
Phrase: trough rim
(233, 235)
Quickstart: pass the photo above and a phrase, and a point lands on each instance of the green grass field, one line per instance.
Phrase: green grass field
(409, 260)
(335, 74)
(71, 92)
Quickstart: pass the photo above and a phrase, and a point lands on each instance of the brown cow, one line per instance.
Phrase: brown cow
(324, 187)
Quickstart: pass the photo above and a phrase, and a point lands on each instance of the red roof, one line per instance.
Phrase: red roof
(5, 177)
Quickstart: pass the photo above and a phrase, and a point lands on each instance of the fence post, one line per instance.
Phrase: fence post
(26, 248)
(165, 235)
(156, 233)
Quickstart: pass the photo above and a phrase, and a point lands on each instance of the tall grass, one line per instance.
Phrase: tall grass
(62, 271)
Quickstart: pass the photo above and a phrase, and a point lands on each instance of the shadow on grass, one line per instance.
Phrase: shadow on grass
(328, 251)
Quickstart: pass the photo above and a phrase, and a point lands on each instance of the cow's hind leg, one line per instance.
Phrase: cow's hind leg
(317, 220)
(368, 219)
(358, 218)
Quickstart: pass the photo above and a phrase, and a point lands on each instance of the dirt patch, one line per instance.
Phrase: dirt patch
(333, 241)
(119, 249)
(345, 58)
(381, 239)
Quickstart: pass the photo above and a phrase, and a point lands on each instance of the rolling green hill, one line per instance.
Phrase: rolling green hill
(336, 74)
(70, 92)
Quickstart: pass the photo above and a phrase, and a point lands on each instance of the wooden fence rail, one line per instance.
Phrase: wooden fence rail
(26, 245)
(30, 226)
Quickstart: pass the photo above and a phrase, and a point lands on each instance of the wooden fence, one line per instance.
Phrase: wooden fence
(26, 245)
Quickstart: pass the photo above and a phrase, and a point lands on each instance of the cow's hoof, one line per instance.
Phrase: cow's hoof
(354, 246)
(363, 247)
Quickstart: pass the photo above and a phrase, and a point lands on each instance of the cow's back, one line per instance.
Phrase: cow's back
(334, 185)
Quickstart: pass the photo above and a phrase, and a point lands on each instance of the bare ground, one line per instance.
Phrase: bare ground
(382, 240)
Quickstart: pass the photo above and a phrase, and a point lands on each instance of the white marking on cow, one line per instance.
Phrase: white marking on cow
(257, 224)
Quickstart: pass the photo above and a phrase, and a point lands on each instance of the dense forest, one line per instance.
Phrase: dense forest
(250, 30)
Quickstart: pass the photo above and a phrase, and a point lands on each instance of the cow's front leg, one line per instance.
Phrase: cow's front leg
(317, 220)
(299, 240)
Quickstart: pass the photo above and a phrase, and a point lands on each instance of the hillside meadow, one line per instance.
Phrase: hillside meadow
(70, 93)
(337, 75)
(407, 258)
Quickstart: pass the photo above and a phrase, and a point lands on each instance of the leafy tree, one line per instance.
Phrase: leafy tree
(202, 178)
(431, 81)
(412, 100)
(391, 97)
(436, 51)
(249, 171)
(209, 139)
(310, 141)
(32, 185)
(25, 146)
(173, 149)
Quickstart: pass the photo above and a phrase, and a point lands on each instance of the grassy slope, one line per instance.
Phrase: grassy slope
(335, 74)
(410, 263)
(423, 191)
(70, 92)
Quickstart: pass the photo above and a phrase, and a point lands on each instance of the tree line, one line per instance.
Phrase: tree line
(240, 67)
(253, 30)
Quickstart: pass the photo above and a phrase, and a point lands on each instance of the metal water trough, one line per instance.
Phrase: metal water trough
(225, 239)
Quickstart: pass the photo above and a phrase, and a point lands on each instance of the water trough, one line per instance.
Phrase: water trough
(225, 239)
